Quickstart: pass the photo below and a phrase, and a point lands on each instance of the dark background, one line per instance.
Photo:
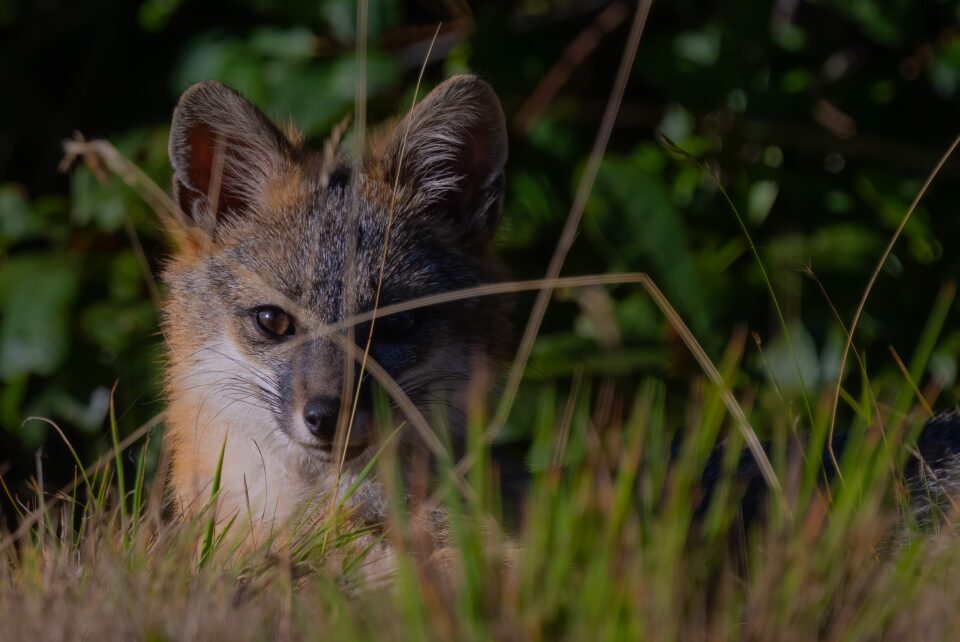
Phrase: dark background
(820, 119)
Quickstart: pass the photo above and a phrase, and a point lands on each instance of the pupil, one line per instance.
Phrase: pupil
(274, 321)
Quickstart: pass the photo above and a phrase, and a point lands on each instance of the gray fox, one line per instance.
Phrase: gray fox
(288, 243)
(285, 244)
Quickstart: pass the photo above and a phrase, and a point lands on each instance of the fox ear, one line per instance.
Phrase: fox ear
(451, 149)
(224, 153)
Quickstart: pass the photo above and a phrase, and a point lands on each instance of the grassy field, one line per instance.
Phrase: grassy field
(615, 541)
(616, 538)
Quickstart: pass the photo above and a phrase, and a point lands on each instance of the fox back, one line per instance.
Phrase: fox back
(286, 246)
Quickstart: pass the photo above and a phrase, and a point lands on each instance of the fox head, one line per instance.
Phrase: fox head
(265, 361)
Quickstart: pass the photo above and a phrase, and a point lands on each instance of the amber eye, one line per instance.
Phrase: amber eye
(396, 326)
(273, 321)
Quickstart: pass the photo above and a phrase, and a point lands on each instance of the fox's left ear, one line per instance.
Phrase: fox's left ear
(225, 154)
(451, 148)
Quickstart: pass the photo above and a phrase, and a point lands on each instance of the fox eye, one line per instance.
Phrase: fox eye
(396, 326)
(273, 321)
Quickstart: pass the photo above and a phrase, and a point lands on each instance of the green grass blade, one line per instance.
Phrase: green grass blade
(925, 346)
(121, 482)
(209, 536)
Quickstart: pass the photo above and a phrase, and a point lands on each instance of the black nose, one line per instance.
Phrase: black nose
(320, 415)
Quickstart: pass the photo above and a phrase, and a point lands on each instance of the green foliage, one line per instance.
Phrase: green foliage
(730, 88)
(37, 293)
(819, 122)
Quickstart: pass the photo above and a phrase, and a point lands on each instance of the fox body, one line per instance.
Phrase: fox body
(286, 246)
(270, 375)
(931, 473)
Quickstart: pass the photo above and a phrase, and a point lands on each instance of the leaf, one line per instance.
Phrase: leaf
(317, 97)
(155, 14)
(635, 211)
(36, 293)
(786, 365)
(275, 69)
(760, 201)
(290, 44)
(699, 47)
(113, 326)
(95, 203)
(15, 220)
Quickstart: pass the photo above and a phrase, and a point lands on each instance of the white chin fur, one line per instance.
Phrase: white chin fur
(266, 474)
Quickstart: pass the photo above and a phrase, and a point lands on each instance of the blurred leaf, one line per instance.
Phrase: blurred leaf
(96, 203)
(945, 70)
(15, 216)
(639, 317)
(35, 294)
(126, 278)
(317, 97)
(532, 206)
(87, 415)
(891, 207)
(552, 134)
(782, 366)
(838, 201)
(113, 325)
(700, 47)
(795, 81)
(155, 14)
(12, 394)
(275, 69)
(211, 57)
(636, 214)
(844, 247)
(341, 16)
(884, 21)
(283, 44)
(789, 36)
(676, 125)
(760, 199)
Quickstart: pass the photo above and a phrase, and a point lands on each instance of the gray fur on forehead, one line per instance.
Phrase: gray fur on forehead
(306, 253)
(442, 163)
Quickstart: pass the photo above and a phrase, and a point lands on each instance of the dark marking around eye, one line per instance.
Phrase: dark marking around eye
(339, 178)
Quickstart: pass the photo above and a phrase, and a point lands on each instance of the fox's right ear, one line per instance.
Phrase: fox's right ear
(451, 148)
(225, 152)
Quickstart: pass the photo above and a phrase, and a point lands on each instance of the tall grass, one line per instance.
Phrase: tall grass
(616, 541)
